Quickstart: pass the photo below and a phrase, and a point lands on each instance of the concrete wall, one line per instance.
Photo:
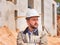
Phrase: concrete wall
(22, 6)
(2, 13)
(55, 30)
(48, 17)
(8, 16)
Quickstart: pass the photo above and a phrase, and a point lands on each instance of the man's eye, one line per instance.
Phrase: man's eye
(35, 19)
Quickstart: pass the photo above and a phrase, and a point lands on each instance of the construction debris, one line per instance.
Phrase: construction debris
(7, 37)
(53, 40)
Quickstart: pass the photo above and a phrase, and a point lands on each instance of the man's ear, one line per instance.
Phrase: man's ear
(27, 22)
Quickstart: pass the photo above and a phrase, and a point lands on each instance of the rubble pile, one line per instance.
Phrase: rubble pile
(7, 37)
(53, 40)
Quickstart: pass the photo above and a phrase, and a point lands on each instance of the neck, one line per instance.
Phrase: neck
(30, 29)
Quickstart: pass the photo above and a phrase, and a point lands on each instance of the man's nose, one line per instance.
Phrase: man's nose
(36, 21)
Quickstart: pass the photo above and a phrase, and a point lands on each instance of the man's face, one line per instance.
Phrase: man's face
(33, 22)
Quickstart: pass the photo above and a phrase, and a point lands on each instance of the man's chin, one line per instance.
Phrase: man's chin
(35, 27)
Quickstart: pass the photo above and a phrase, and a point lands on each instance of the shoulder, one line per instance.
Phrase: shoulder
(21, 32)
(19, 36)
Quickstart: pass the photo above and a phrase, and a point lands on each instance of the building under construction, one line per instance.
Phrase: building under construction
(13, 12)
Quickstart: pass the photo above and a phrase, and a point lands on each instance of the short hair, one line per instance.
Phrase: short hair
(27, 18)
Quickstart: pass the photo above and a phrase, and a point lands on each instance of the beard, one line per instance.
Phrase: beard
(35, 26)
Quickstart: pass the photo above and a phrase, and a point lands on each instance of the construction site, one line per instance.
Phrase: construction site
(12, 20)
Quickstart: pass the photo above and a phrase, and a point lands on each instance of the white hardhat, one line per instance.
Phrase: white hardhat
(32, 12)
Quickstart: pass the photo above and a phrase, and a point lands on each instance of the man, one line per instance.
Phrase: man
(30, 35)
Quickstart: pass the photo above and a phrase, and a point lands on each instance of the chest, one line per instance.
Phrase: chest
(30, 38)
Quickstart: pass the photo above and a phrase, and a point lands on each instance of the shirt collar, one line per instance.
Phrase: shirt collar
(35, 32)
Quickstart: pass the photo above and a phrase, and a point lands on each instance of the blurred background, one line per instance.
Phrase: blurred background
(12, 19)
